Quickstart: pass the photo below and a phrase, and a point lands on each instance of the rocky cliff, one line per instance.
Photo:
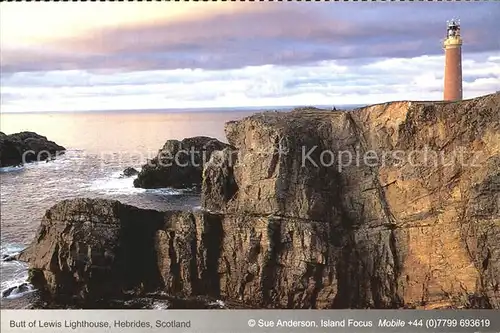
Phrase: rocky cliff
(25, 147)
(388, 206)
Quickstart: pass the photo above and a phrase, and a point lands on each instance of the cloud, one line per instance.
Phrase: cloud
(250, 54)
(323, 83)
(39, 23)
(294, 34)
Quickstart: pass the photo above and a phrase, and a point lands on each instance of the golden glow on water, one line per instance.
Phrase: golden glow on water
(118, 131)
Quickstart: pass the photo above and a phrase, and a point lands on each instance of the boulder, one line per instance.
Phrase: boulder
(179, 164)
(129, 172)
(25, 147)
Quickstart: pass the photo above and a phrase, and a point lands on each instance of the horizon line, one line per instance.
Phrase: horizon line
(198, 109)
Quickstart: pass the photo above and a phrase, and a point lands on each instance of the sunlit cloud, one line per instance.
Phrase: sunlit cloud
(39, 23)
(82, 56)
(324, 83)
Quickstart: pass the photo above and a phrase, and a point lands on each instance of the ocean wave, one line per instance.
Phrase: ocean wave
(116, 184)
(70, 157)
(113, 185)
(218, 303)
(17, 285)
(158, 305)
(11, 169)
(17, 289)
(62, 160)
(10, 249)
(166, 191)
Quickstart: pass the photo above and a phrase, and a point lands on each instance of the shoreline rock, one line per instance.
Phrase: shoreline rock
(16, 290)
(14, 146)
(129, 172)
(88, 249)
(277, 233)
(179, 164)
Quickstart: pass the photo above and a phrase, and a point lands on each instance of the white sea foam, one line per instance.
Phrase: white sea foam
(62, 160)
(219, 303)
(21, 288)
(10, 249)
(158, 305)
(18, 271)
(116, 184)
(165, 191)
(70, 158)
(11, 169)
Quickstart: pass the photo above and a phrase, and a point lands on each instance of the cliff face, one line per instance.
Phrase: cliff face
(406, 215)
(88, 249)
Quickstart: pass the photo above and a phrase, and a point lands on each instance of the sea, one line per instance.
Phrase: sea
(100, 145)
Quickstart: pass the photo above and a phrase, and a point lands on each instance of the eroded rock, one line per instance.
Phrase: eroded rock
(179, 164)
(94, 248)
(219, 185)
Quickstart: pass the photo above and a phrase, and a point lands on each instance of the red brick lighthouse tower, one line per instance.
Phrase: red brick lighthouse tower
(453, 62)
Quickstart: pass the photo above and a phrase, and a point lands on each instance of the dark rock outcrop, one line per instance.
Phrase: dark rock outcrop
(129, 172)
(90, 249)
(283, 230)
(179, 164)
(26, 147)
(7, 257)
(17, 290)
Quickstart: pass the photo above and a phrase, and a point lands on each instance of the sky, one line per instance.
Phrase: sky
(67, 56)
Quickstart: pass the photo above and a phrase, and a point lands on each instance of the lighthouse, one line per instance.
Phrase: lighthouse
(453, 62)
